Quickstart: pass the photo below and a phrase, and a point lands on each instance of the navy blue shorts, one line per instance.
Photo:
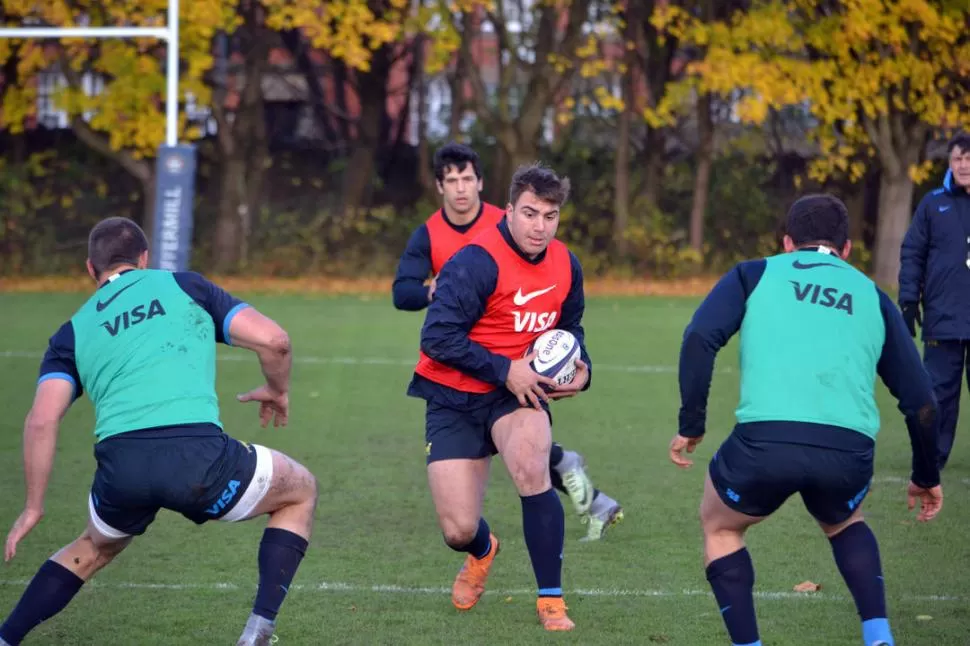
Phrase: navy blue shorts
(196, 470)
(755, 477)
(459, 425)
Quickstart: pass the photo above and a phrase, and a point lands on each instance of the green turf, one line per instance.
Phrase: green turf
(376, 565)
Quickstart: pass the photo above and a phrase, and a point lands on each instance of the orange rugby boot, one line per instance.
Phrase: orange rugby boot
(470, 583)
(552, 613)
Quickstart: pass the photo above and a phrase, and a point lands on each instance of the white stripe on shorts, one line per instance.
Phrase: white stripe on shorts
(258, 486)
(103, 528)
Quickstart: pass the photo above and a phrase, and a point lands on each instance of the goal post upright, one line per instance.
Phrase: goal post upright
(175, 163)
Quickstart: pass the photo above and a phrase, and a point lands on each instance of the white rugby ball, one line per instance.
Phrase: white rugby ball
(556, 354)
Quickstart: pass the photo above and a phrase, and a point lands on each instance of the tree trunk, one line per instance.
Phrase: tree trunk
(300, 50)
(899, 139)
(507, 160)
(243, 150)
(621, 180)
(895, 205)
(653, 166)
(425, 172)
(456, 87)
(702, 180)
(232, 203)
(372, 93)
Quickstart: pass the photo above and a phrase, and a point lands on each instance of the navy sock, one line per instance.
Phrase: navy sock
(555, 455)
(732, 581)
(544, 526)
(481, 544)
(280, 553)
(856, 553)
(49, 592)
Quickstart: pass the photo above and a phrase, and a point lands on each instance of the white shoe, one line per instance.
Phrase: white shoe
(578, 485)
(258, 632)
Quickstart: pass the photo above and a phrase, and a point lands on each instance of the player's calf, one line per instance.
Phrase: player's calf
(286, 491)
(58, 580)
(856, 554)
(524, 437)
(729, 569)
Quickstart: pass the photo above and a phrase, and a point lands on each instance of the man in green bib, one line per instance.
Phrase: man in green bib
(815, 333)
(144, 348)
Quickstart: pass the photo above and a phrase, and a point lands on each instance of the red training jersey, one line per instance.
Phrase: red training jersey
(527, 301)
(446, 241)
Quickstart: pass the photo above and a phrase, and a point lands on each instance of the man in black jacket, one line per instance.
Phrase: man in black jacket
(935, 271)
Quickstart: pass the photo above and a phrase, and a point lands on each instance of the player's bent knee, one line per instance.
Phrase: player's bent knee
(91, 551)
(834, 530)
(531, 476)
(457, 535)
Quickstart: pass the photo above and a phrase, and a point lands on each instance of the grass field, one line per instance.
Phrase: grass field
(377, 571)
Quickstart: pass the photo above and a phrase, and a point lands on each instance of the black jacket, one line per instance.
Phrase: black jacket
(933, 262)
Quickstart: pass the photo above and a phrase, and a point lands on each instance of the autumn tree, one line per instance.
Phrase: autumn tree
(125, 121)
(241, 138)
(879, 77)
(516, 79)
(366, 38)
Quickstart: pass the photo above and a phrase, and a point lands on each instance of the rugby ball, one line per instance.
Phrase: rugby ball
(556, 354)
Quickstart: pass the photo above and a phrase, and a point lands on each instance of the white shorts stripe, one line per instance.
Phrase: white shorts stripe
(258, 486)
(103, 528)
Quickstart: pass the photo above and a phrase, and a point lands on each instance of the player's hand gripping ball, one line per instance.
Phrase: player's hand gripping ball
(556, 354)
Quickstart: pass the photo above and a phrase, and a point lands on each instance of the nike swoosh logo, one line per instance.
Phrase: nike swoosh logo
(811, 265)
(521, 299)
(103, 304)
(944, 208)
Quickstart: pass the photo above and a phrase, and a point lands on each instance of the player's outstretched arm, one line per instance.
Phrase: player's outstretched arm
(716, 320)
(901, 369)
(254, 331)
(239, 324)
(52, 399)
(408, 290)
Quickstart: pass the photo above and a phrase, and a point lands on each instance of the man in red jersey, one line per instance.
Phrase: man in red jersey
(463, 216)
(494, 297)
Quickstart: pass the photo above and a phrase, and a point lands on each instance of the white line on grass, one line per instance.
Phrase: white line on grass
(335, 586)
(379, 361)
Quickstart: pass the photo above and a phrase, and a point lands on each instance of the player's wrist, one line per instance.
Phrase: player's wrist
(924, 482)
(503, 365)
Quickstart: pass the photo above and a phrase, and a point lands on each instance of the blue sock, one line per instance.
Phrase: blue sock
(732, 581)
(856, 554)
(544, 526)
(481, 545)
(49, 592)
(280, 553)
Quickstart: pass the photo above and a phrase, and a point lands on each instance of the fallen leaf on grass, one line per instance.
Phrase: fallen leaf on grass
(808, 586)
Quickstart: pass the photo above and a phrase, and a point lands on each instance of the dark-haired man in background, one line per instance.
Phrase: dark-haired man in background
(934, 271)
(815, 333)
